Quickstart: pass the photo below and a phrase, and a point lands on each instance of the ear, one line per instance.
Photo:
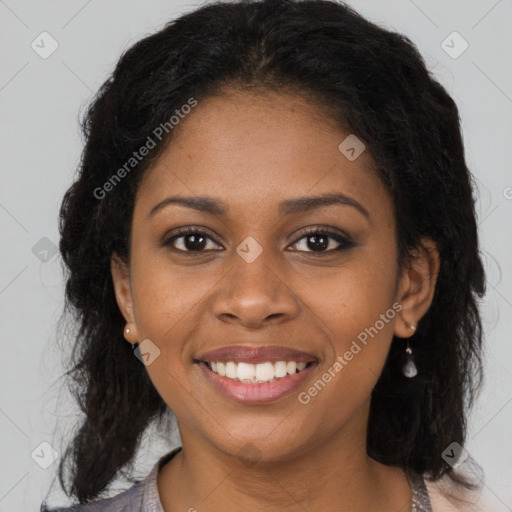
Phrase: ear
(416, 287)
(122, 287)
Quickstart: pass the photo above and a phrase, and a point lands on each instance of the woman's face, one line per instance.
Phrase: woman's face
(255, 284)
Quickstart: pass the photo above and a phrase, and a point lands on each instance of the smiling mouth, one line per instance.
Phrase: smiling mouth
(260, 383)
(256, 374)
(259, 373)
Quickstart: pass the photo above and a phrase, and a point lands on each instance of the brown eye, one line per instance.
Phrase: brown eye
(322, 241)
(190, 240)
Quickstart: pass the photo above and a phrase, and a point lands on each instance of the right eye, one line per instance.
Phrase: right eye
(190, 240)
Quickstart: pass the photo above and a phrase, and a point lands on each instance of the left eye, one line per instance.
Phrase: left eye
(321, 241)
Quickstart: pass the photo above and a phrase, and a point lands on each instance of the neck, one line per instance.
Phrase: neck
(337, 475)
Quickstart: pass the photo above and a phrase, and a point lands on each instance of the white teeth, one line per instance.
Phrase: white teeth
(221, 369)
(254, 373)
(245, 371)
(280, 369)
(231, 370)
(264, 371)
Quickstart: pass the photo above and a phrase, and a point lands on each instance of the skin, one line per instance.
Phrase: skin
(253, 151)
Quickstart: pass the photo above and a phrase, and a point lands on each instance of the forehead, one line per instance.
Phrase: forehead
(254, 149)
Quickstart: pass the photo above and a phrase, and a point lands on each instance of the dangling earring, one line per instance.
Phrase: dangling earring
(409, 368)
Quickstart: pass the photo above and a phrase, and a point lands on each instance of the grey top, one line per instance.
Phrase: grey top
(420, 498)
(143, 496)
(140, 497)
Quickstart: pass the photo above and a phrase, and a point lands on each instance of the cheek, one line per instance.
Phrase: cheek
(353, 296)
(165, 295)
(166, 302)
(356, 303)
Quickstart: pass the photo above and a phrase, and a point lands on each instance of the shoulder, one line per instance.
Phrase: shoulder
(446, 496)
(142, 496)
(129, 500)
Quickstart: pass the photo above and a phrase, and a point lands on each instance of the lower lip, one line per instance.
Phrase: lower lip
(256, 393)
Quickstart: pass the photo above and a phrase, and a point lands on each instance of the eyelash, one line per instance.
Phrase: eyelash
(344, 241)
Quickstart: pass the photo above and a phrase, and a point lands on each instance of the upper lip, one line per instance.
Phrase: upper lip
(248, 354)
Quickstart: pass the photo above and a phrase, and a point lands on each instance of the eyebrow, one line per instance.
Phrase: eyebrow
(286, 207)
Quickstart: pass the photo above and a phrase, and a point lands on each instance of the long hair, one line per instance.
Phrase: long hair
(373, 82)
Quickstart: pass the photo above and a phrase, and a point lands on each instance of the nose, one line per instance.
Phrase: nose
(254, 294)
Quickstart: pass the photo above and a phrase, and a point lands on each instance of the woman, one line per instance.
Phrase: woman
(273, 236)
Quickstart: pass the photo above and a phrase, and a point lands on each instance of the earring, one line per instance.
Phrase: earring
(127, 331)
(409, 368)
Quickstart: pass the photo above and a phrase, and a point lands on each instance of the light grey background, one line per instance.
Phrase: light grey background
(40, 100)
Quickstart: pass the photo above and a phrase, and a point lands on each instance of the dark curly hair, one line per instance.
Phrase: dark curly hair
(376, 85)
